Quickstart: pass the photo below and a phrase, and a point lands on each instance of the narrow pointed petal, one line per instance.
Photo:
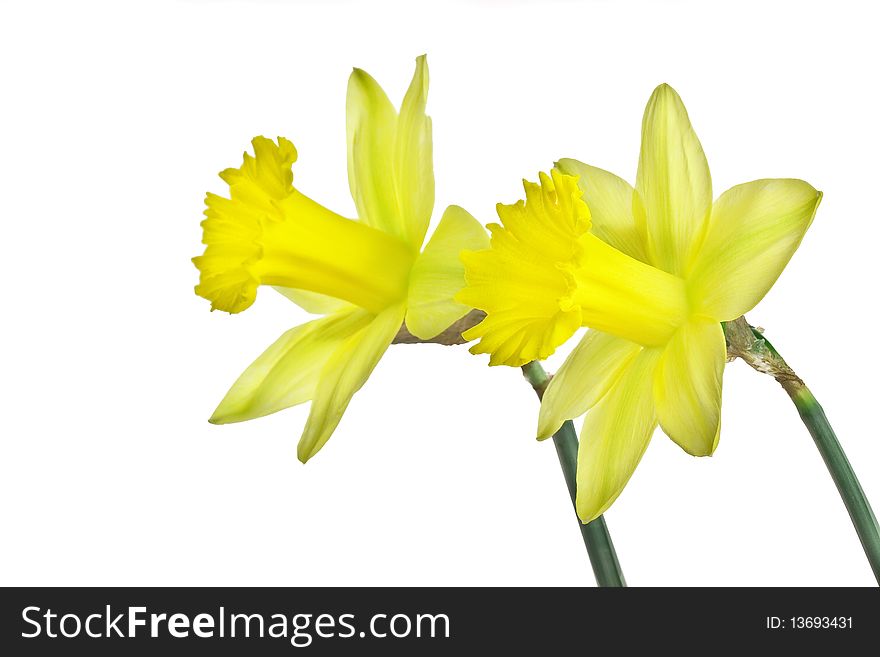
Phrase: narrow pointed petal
(371, 125)
(343, 375)
(588, 373)
(438, 274)
(610, 200)
(754, 231)
(673, 182)
(413, 158)
(615, 435)
(687, 386)
(286, 374)
(314, 303)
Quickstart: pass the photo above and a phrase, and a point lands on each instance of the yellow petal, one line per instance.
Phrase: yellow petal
(673, 182)
(587, 374)
(687, 386)
(413, 162)
(390, 158)
(610, 200)
(755, 229)
(371, 124)
(615, 435)
(344, 374)
(286, 374)
(438, 274)
(312, 302)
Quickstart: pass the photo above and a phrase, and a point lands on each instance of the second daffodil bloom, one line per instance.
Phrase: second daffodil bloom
(367, 276)
(653, 271)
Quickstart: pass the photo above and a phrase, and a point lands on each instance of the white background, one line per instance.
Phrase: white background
(116, 119)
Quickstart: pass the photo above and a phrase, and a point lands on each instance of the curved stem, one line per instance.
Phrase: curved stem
(838, 465)
(597, 539)
(749, 343)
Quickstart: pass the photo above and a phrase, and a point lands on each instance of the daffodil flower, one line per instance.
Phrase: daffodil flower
(367, 276)
(653, 271)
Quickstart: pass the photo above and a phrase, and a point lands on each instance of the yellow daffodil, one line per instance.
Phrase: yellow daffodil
(368, 276)
(653, 271)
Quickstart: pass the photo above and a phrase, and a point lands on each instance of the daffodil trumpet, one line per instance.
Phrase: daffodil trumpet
(652, 271)
(278, 236)
(367, 276)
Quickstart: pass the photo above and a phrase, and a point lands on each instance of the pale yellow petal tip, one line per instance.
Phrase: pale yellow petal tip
(710, 448)
(303, 455)
(309, 443)
(590, 507)
(307, 446)
(586, 520)
(665, 91)
(589, 510)
(229, 413)
(549, 419)
(698, 453)
(564, 165)
(664, 99)
(420, 78)
(547, 425)
(219, 417)
(233, 227)
(361, 79)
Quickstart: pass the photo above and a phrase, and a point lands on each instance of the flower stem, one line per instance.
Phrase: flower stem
(750, 344)
(596, 537)
(842, 472)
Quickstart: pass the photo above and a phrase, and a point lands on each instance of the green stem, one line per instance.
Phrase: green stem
(596, 537)
(841, 471)
(750, 344)
(857, 504)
